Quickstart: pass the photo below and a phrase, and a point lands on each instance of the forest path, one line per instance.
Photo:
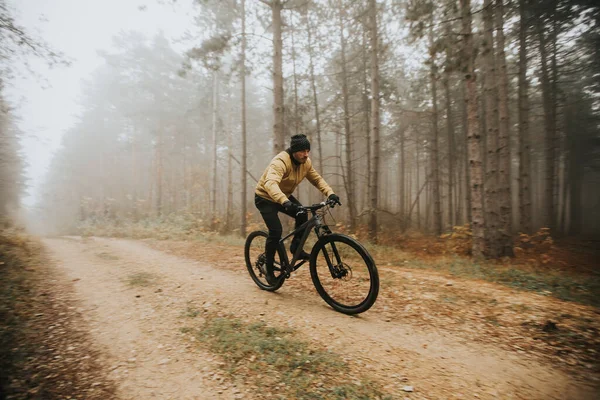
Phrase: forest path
(138, 327)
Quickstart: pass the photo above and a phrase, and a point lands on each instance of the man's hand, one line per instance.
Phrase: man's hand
(290, 207)
(335, 198)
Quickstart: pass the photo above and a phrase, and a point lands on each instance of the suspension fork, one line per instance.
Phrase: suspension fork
(332, 267)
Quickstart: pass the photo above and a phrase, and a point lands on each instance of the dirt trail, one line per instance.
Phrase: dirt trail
(138, 328)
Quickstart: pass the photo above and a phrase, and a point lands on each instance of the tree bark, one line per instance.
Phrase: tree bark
(295, 79)
(437, 209)
(492, 217)
(229, 209)
(474, 137)
(278, 104)
(524, 151)
(134, 176)
(402, 180)
(449, 130)
(366, 107)
(215, 105)
(349, 179)
(550, 126)
(418, 177)
(465, 145)
(576, 172)
(159, 171)
(313, 85)
(244, 166)
(375, 122)
(504, 164)
(555, 138)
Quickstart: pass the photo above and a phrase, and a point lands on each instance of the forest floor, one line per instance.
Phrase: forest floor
(89, 317)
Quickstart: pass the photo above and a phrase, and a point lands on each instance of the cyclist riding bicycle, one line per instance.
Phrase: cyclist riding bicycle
(273, 195)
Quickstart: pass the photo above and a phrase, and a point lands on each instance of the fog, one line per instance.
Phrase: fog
(129, 114)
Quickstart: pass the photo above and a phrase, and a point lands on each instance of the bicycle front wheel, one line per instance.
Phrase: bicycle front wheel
(344, 274)
(254, 253)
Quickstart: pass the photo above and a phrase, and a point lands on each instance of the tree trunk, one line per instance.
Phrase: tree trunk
(278, 126)
(554, 140)
(229, 208)
(417, 159)
(244, 166)
(474, 137)
(375, 122)
(576, 172)
(159, 172)
(313, 85)
(449, 130)
(348, 179)
(465, 143)
(134, 175)
(427, 197)
(504, 164)
(215, 105)
(229, 212)
(295, 78)
(549, 125)
(366, 107)
(524, 151)
(490, 186)
(435, 173)
(402, 180)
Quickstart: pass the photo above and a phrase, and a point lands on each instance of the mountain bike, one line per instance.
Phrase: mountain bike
(341, 269)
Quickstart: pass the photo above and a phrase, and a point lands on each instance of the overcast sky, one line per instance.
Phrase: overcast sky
(47, 104)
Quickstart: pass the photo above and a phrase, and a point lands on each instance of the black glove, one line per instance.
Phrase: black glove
(291, 208)
(335, 198)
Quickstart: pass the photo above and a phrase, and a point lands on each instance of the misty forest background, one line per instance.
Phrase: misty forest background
(423, 117)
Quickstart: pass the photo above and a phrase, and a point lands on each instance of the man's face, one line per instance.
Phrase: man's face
(301, 156)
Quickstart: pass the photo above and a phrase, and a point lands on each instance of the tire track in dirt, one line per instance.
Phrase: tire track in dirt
(137, 327)
(141, 333)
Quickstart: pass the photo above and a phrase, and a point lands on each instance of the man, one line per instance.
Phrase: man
(273, 195)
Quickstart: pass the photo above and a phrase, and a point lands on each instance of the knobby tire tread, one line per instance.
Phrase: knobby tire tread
(250, 263)
(370, 263)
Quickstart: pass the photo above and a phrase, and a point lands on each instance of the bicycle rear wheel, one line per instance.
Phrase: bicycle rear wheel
(344, 274)
(254, 253)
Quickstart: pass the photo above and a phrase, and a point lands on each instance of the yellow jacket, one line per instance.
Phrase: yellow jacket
(283, 176)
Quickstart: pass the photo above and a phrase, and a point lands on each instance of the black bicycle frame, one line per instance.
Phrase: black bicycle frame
(316, 222)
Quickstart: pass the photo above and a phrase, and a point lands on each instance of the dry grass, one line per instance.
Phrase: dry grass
(285, 366)
(414, 270)
(45, 350)
(141, 279)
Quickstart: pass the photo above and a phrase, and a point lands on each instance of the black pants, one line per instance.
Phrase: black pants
(269, 210)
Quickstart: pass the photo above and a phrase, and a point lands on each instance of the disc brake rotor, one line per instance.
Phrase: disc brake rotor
(343, 271)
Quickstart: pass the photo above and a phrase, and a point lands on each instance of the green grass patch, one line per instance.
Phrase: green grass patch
(278, 357)
(191, 312)
(107, 256)
(562, 285)
(224, 239)
(580, 289)
(143, 279)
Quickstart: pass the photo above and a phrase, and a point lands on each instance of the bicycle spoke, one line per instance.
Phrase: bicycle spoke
(346, 278)
(256, 260)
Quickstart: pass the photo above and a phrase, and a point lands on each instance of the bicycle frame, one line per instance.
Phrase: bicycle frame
(315, 222)
(339, 253)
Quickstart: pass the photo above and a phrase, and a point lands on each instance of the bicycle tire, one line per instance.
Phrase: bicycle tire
(253, 255)
(373, 290)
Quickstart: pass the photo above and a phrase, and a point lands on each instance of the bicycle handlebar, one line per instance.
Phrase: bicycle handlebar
(315, 207)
